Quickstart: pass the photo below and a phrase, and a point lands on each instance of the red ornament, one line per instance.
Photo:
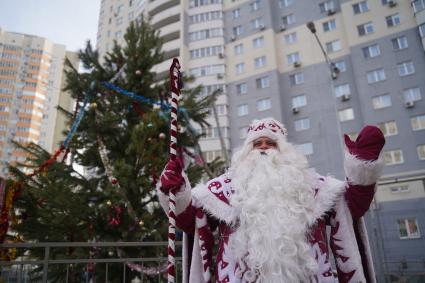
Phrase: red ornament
(114, 181)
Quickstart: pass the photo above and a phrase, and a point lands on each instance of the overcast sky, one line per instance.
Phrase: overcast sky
(68, 22)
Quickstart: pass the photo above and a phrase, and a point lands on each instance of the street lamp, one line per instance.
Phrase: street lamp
(333, 73)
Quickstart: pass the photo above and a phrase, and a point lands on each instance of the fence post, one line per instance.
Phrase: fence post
(46, 263)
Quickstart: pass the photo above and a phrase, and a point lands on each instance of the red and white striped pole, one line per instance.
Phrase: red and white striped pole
(175, 93)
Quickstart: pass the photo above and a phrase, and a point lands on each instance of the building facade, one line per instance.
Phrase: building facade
(268, 63)
(31, 81)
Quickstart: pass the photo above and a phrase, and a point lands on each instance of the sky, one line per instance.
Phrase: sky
(67, 22)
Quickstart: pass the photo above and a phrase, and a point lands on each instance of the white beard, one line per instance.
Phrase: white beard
(272, 202)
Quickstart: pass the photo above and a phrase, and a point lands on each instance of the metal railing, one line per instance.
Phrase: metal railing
(27, 269)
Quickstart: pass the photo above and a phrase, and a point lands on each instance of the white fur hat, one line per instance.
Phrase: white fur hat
(267, 127)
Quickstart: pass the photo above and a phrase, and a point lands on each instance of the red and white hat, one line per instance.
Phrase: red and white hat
(267, 127)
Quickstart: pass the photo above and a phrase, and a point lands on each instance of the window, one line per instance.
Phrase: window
(388, 128)
(341, 66)
(238, 49)
(291, 38)
(408, 228)
(371, 51)
(263, 82)
(302, 124)
(264, 104)
(240, 68)
(260, 62)
(237, 30)
(243, 132)
(299, 101)
(306, 148)
(346, 114)
(285, 3)
(255, 6)
(393, 157)
(393, 20)
(258, 42)
(399, 43)
(206, 33)
(421, 151)
(289, 19)
(422, 30)
(365, 29)
(406, 68)
(333, 46)
(326, 6)
(243, 110)
(118, 21)
(257, 23)
(381, 101)
(329, 25)
(418, 122)
(207, 16)
(207, 70)
(412, 94)
(341, 90)
(296, 79)
(206, 51)
(399, 189)
(118, 34)
(236, 13)
(360, 7)
(197, 3)
(293, 57)
(376, 76)
(241, 88)
(418, 5)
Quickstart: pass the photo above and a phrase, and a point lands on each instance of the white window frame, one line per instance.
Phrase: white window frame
(400, 42)
(263, 82)
(258, 42)
(365, 29)
(341, 66)
(406, 68)
(299, 101)
(242, 88)
(376, 76)
(236, 13)
(393, 20)
(238, 49)
(421, 28)
(388, 128)
(360, 7)
(290, 38)
(371, 51)
(293, 57)
(243, 110)
(410, 234)
(381, 101)
(255, 6)
(288, 19)
(302, 124)
(297, 78)
(306, 148)
(285, 3)
(421, 151)
(333, 46)
(390, 155)
(342, 89)
(264, 104)
(418, 5)
(412, 94)
(417, 122)
(329, 25)
(346, 114)
(239, 68)
(257, 23)
(260, 62)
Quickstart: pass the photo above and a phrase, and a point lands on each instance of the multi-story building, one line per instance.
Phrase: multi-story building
(268, 63)
(31, 81)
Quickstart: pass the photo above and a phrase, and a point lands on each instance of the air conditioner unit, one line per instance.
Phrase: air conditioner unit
(409, 104)
(262, 27)
(220, 76)
(282, 27)
(221, 55)
(331, 12)
(334, 75)
(295, 110)
(297, 64)
(392, 3)
(233, 38)
(345, 97)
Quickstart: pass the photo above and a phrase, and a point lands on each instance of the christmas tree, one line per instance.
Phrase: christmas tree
(121, 144)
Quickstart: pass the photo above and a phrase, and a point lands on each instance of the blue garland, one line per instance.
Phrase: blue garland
(140, 98)
(77, 121)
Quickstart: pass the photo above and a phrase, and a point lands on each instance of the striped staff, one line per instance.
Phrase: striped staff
(175, 81)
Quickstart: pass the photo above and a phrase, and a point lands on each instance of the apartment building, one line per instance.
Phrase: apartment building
(268, 63)
(31, 79)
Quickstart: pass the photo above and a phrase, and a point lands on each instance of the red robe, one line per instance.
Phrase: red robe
(341, 205)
